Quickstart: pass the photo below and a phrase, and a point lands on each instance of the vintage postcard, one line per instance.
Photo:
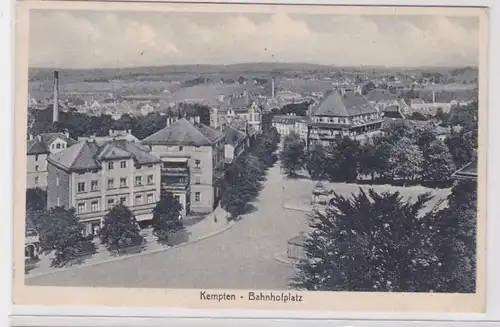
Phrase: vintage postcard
(251, 156)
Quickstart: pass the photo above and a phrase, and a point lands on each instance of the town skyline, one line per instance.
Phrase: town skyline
(92, 41)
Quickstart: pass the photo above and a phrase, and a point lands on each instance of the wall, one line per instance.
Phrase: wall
(32, 174)
(200, 175)
(58, 189)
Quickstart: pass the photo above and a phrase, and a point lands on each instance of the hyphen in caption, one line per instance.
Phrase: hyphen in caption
(283, 297)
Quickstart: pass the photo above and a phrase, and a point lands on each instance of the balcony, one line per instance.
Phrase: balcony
(175, 171)
(175, 186)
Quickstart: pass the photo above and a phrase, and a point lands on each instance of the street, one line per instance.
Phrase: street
(240, 258)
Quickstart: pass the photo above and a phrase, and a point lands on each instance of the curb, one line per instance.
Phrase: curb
(132, 255)
(289, 207)
(283, 261)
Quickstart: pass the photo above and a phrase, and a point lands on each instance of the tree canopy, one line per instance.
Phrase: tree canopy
(167, 217)
(120, 229)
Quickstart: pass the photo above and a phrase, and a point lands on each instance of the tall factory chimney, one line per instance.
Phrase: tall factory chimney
(272, 87)
(55, 105)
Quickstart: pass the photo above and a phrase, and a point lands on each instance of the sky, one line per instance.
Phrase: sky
(86, 39)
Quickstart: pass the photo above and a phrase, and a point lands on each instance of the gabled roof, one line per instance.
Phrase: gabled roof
(240, 102)
(183, 132)
(89, 154)
(233, 136)
(41, 143)
(334, 104)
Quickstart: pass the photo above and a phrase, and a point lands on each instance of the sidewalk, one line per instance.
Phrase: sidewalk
(199, 231)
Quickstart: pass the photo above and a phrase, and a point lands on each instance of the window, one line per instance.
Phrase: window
(94, 206)
(123, 200)
(150, 198)
(58, 145)
(111, 165)
(177, 197)
(197, 196)
(81, 207)
(123, 164)
(138, 167)
(151, 179)
(36, 180)
(94, 186)
(81, 187)
(150, 166)
(138, 180)
(181, 148)
(197, 180)
(36, 168)
(197, 163)
(111, 203)
(138, 199)
(53, 146)
(123, 182)
(111, 183)
(36, 157)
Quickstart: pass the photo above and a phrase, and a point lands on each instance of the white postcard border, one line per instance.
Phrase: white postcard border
(492, 269)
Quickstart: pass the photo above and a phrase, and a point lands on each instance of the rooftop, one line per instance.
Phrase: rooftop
(183, 132)
(336, 104)
(91, 153)
(41, 143)
(233, 136)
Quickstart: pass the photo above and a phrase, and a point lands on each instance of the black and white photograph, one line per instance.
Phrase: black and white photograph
(276, 152)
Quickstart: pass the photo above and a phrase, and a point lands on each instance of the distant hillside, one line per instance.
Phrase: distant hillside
(106, 74)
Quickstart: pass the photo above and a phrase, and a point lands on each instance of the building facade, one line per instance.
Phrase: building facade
(242, 106)
(288, 124)
(236, 142)
(94, 175)
(38, 150)
(343, 113)
(192, 157)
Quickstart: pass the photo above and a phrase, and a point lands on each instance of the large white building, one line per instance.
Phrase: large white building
(288, 124)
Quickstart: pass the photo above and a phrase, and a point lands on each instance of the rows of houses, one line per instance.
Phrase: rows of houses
(345, 111)
(341, 112)
(92, 174)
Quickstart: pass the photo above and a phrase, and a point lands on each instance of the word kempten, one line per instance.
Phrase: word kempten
(252, 296)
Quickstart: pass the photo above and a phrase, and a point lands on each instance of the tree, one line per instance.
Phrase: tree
(372, 242)
(374, 156)
(462, 147)
(396, 130)
(440, 115)
(316, 162)
(36, 199)
(293, 155)
(166, 217)
(242, 185)
(350, 150)
(61, 232)
(456, 235)
(120, 229)
(439, 162)
(406, 160)
(425, 134)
